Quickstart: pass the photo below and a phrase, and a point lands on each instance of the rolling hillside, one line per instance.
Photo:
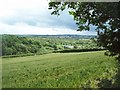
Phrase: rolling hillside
(60, 70)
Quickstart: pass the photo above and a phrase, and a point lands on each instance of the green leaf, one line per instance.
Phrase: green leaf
(54, 12)
(87, 28)
(83, 20)
(81, 28)
(72, 13)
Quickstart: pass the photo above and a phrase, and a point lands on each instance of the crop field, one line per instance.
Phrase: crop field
(60, 70)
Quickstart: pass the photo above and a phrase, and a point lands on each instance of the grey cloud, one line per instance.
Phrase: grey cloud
(43, 19)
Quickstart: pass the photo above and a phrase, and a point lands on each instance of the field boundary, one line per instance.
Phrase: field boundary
(62, 51)
(78, 50)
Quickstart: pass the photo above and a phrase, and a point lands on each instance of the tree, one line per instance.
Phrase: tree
(105, 16)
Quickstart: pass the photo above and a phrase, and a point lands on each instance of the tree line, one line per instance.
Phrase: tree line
(14, 45)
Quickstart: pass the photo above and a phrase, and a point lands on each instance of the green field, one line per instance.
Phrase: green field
(60, 70)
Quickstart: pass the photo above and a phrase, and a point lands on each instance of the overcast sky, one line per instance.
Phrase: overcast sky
(33, 17)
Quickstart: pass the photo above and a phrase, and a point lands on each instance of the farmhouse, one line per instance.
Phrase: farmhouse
(68, 47)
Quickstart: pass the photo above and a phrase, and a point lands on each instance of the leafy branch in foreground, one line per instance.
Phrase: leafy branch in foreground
(105, 16)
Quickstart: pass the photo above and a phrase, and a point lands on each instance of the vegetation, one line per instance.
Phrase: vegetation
(61, 70)
(14, 45)
(105, 16)
(67, 70)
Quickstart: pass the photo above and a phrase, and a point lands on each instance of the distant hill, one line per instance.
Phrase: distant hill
(63, 36)
(41, 44)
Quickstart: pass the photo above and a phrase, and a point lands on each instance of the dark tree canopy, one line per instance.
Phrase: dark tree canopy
(104, 15)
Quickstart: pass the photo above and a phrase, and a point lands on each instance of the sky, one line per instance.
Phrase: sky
(34, 17)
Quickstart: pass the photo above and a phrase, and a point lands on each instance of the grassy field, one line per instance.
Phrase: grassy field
(59, 70)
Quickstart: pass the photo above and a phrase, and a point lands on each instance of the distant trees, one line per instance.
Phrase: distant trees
(18, 45)
(76, 47)
(14, 45)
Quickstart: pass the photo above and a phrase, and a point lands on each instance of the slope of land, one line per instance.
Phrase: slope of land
(71, 70)
(14, 46)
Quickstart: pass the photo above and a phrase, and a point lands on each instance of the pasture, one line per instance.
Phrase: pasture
(60, 70)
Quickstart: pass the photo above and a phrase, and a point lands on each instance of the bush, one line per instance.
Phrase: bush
(79, 50)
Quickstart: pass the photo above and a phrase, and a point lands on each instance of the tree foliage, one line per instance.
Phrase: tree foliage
(15, 45)
(105, 16)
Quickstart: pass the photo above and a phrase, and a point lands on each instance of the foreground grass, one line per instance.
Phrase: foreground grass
(71, 70)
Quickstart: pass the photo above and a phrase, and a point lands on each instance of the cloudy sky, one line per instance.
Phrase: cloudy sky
(33, 17)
